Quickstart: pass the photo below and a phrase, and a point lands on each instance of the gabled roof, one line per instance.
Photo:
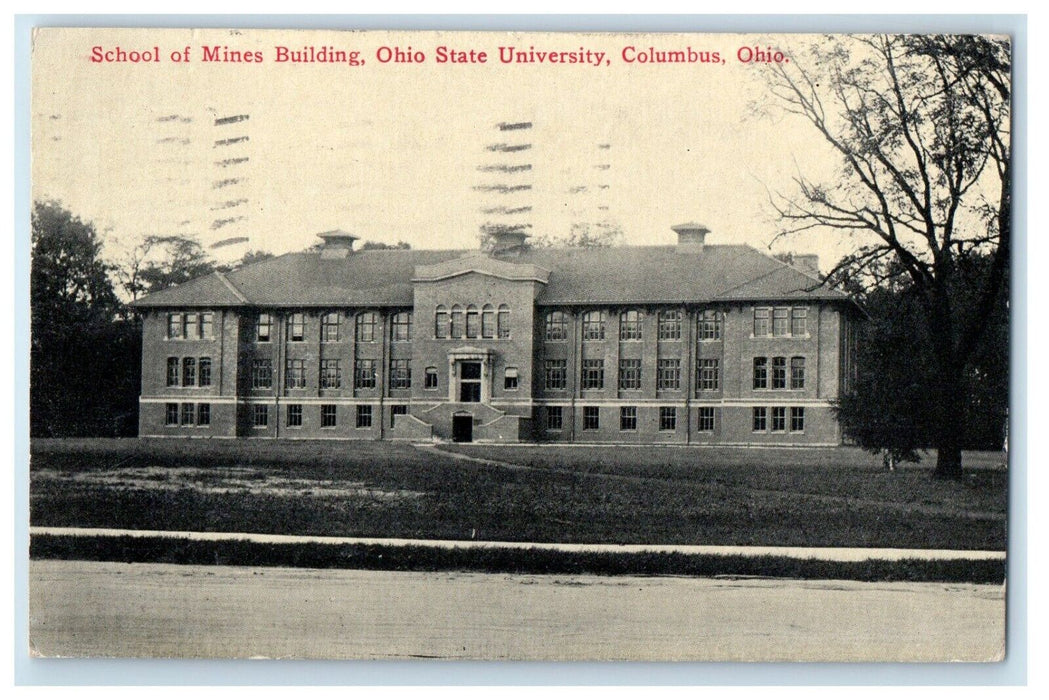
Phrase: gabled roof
(622, 275)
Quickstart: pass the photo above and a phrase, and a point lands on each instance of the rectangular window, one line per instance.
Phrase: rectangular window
(297, 328)
(203, 414)
(331, 374)
(709, 376)
(329, 415)
(260, 415)
(207, 325)
(630, 374)
(556, 373)
(190, 327)
(400, 374)
(779, 373)
(667, 418)
(593, 374)
(780, 322)
(556, 326)
(630, 325)
(797, 373)
(669, 374)
(174, 326)
(797, 419)
(706, 419)
(294, 415)
(594, 325)
(189, 414)
(173, 366)
(189, 371)
(799, 321)
(330, 328)
(591, 418)
(628, 418)
(779, 419)
(710, 325)
(366, 323)
(760, 419)
(263, 328)
(431, 378)
(761, 373)
(205, 371)
(261, 374)
(670, 325)
(364, 416)
(761, 322)
(171, 414)
(295, 374)
(397, 410)
(510, 379)
(554, 418)
(364, 374)
(402, 327)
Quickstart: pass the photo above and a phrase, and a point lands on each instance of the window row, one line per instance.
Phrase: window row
(471, 322)
(779, 377)
(293, 415)
(631, 322)
(365, 327)
(191, 325)
(668, 374)
(187, 414)
(668, 418)
(781, 321)
(189, 371)
(774, 419)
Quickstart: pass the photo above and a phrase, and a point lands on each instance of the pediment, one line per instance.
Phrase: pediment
(482, 265)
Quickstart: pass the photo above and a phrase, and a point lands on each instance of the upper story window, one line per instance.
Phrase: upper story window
(630, 325)
(297, 328)
(440, 322)
(797, 373)
(761, 321)
(710, 325)
(799, 317)
(430, 378)
(594, 325)
(488, 321)
(457, 321)
(190, 325)
(207, 325)
(779, 373)
(400, 374)
(263, 328)
(295, 374)
(761, 373)
(556, 326)
(630, 374)
(504, 321)
(670, 324)
(174, 326)
(330, 328)
(510, 379)
(402, 326)
(473, 322)
(556, 373)
(781, 321)
(366, 323)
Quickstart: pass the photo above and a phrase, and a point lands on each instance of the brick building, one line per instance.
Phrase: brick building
(691, 343)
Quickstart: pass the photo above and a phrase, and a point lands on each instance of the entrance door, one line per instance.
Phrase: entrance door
(470, 382)
(463, 428)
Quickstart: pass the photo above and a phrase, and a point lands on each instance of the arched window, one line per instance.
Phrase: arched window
(366, 323)
(457, 321)
(440, 322)
(556, 326)
(670, 324)
(330, 327)
(594, 325)
(488, 321)
(473, 322)
(504, 321)
(402, 326)
(630, 325)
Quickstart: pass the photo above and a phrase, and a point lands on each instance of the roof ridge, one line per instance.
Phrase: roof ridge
(232, 287)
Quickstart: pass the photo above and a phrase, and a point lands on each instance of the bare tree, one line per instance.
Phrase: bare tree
(921, 126)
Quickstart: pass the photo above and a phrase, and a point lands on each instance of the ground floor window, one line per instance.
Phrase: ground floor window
(760, 419)
(397, 410)
(294, 415)
(591, 418)
(364, 416)
(171, 414)
(554, 418)
(189, 414)
(628, 418)
(706, 419)
(667, 418)
(203, 414)
(260, 415)
(430, 378)
(797, 419)
(779, 419)
(329, 415)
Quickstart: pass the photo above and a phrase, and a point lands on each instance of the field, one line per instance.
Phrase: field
(837, 497)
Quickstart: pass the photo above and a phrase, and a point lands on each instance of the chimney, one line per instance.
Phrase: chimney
(507, 240)
(809, 264)
(337, 244)
(690, 236)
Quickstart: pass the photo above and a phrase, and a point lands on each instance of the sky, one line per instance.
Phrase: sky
(391, 151)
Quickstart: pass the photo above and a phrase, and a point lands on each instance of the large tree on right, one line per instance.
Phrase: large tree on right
(921, 128)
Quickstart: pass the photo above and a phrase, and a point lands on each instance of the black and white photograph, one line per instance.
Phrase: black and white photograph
(519, 346)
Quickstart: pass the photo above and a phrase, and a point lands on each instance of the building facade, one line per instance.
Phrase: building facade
(692, 343)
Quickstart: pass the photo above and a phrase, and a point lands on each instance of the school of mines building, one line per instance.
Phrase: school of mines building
(689, 343)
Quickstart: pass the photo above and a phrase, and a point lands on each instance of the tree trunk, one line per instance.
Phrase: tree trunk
(951, 405)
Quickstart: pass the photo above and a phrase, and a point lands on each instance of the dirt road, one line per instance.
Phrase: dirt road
(113, 609)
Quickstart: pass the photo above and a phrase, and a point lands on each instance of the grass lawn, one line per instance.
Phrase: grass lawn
(834, 497)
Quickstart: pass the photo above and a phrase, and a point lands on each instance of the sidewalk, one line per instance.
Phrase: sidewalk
(843, 554)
